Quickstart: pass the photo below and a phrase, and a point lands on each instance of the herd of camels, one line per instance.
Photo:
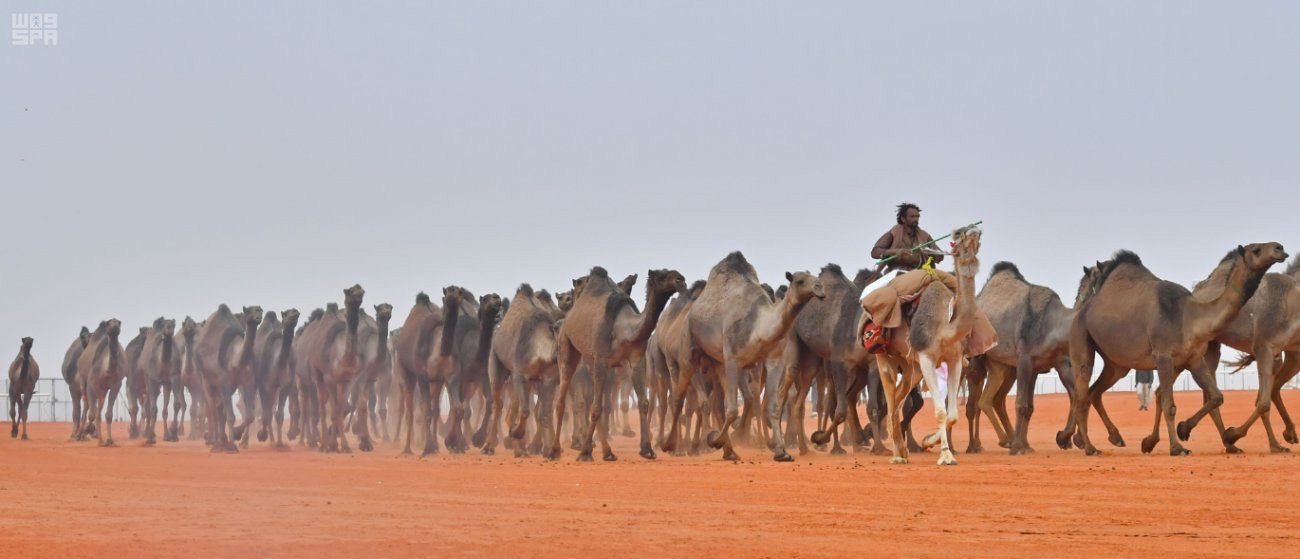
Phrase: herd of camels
(715, 364)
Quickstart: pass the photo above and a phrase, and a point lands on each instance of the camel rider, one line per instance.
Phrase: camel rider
(885, 306)
(900, 240)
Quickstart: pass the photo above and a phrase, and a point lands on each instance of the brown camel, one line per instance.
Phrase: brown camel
(1033, 328)
(155, 368)
(333, 355)
(23, 374)
(668, 351)
(134, 379)
(1136, 320)
(184, 377)
(223, 358)
(936, 334)
(473, 344)
(304, 417)
(100, 370)
(523, 352)
(372, 337)
(427, 361)
(1267, 330)
(273, 353)
(73, 380)
(733, 325)
(603, 331)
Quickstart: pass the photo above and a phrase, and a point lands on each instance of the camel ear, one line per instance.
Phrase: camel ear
(1241, 250)
(789, 276)
(1085, 270)
(575, 283)
(245, 310)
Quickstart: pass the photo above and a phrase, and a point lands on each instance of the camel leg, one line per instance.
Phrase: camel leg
(837, 393)
(1263, 400)
(779, 401)
(890, 387)
(600, 374)
(523, 399)
(132, 408)
(1211, 398)
(1290, 366)
(1168, 374)
(999, 377)
(1082, 353)
(568, 362)
(795, 418)
(74, 391)
(853, 426)
(643, 409)
(150, 411)
(27, 403)
(324, 412)
(491, 421)
(877, 410)
(721, 438)
(108, 414)
(912, 404)
(361, 412)
(432, 397)
(678, 399)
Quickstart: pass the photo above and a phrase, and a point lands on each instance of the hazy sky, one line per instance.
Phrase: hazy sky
(166, 157)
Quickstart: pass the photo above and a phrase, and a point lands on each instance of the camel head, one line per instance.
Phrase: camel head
(84, 336)
(27, 344)
(490, 308)
(317, 314)
(565, 300)
(289, 318)
(627, 284)
(578, 284)
(352, 297)
(113, 327)
(166, 327)
(383, 312)
(665, 282)
(451, 298)
(965, 250)
(1262, 256)
(189, 328)
(252, 316)
(804, 286)
(771, 294)
(1088, 284)
(780, 292)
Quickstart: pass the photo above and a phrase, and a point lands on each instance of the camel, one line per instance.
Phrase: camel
(936, 334)
(824, 338)
(155, 368)
(733, 325)
(23, 374)
(385, 388)
(603, 330)
(1033, 328)
(1267, 327)
(333, 358)
(474, 331)
(100, 371)
(372, 336)
(524, 352)
(668, 351)
(304, 409)
(273, 353)
(428, 331)
(134, 380)
(223, 359)
(185, 377)
(70, 377)
(1136, 320)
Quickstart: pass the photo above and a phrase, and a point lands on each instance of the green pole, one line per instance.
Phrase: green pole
(886, 260)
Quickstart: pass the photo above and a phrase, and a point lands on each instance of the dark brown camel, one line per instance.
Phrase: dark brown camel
(156, 366)
(1136, 320)
(100, 370)
(73, 380)
(523, 352)
(223, 358)
(333, 355)
(23, 374)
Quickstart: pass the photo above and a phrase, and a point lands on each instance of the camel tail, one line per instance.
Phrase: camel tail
(1241, 362)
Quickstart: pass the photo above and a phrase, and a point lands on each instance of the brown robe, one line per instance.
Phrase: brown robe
(884, 306)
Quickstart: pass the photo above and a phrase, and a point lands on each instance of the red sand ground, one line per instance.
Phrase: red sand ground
(61, 499)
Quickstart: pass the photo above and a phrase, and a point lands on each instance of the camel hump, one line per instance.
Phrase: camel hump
(599, 272)
(526, 290)
(422, 298)
(1294, 266)
(1008, 267)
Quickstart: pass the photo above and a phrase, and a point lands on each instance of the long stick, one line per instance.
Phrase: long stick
(925, 244)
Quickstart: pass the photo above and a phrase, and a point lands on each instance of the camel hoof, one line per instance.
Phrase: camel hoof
(1090, 450)
(1021, 450)
(429, 451)
(1149, 444)
(1290, 436)
(262, 435)
(365, 445)
(629, 433)
(820, 437)
(24, 438)
(518, 432)
(714, 439)
(977, 449)
(133, 432)
(648, 453)
(1232, 449)
(668, 445)
(1005, 444)
(13, 433)
(553, 454)
(478, 440)
(609, 456)
(838, 450)
(293, 433)
(879, 450)
(108, 443)
(1276, 449)
(238, 433)
(150, 442)
(783, 456)
(1231, 435)
(898, 460)
(1184, 431)
(730, 455)
(947, 459)
(1116, 440)
(280, 447)
(1179, 451)
(584, 456)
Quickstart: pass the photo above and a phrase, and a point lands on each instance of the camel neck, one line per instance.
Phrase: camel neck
(246, 351)
(353, 316)
(286, 346)
(964, 306)
(654, 307)
(381, 339)
(451, 315)
(1203, 319)
(25, 360)
(776, 319)
(167, 346)
(486, 326)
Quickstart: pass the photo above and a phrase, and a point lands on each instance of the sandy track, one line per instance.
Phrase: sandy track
(59, 498)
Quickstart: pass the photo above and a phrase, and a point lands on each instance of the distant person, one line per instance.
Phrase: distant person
(1144, 380)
